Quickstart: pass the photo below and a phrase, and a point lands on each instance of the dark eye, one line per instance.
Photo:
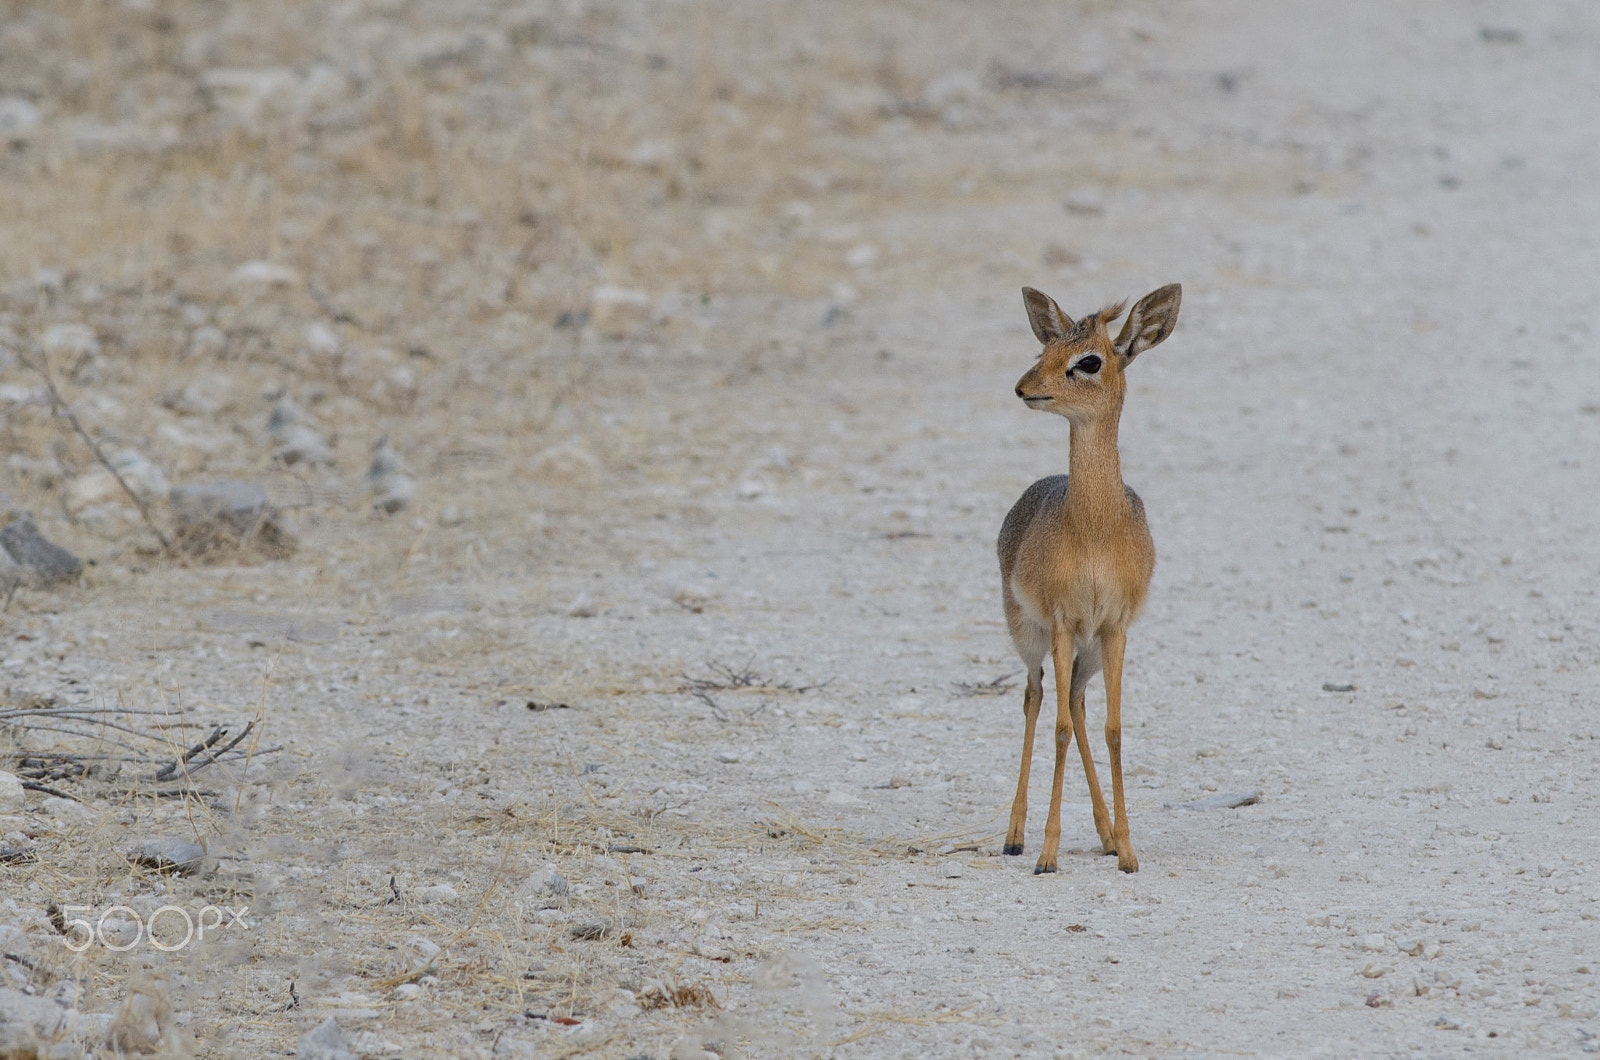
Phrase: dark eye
(1088, 366)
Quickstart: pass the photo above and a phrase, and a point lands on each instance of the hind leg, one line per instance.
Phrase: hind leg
(1085, 666)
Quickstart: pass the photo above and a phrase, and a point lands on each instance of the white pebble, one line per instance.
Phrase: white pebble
(439, 892)
(11, 792)
(1373, 943)
(952, 870)
(729, 757)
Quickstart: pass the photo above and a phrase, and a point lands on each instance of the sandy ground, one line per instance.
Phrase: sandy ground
(738, 549)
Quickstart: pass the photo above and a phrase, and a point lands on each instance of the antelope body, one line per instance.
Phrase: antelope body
(1075, 551)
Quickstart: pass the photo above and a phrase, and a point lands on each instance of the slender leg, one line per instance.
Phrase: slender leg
(1082, 670)
(1061, 651)
(1111, 648)
(1031, 699)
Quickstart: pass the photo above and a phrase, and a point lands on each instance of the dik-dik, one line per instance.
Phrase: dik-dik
(1075, 550)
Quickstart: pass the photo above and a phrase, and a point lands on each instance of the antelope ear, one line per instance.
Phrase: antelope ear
(1152, 320)
(1050, 324)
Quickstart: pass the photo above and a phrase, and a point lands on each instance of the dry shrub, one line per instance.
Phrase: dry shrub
(670, 993)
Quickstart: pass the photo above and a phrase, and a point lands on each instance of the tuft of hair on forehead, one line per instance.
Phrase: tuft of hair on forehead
(1104, 315)
(1099, 318)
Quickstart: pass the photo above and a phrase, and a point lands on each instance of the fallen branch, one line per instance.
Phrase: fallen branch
(59, 407)
(168, 771)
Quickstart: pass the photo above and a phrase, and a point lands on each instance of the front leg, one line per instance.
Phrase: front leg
(1111, 649)
(1031, 698)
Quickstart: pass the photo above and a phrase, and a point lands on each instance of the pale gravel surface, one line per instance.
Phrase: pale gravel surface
(1370, 455)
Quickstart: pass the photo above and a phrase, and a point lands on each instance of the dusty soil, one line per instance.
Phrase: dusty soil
(697, 330)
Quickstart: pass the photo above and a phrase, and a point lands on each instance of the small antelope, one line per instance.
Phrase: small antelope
(1075, 551)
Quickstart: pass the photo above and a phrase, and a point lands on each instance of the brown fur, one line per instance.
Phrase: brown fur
(1076, 554)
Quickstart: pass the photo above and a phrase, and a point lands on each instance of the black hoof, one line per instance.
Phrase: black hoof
(1013, 848)
(1040, 870)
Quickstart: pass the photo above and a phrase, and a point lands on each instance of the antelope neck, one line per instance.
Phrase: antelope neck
(1094, 483)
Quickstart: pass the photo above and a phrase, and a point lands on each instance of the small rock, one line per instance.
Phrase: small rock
(690, 598)
(583, 607)
(1374, 970)
(950, 87)
(325, 1041)
(204, 395)
(26, 1021)
(728, 757)
(1412, 947)
(899, 782)
(419, 953)
(397, 494)
(286, 412)
(712, 952)
(143, 1023)
(18, 119)
(439, 892)
(408, 992)
(397, 388)
(302, 444)
(570, 462)
(1113, 958)
(1546, 869)
(392, 488)
(594, 930)
(170, 855)
(207, 341)
(952, 870)
(11, 793)
(92, 490)
(548, 886)
(1335, 686)
(619, 310)
(322, 343)
(44, 562)
(862, 257)
(144, 478)
(1226, 801)
(71, 814)
(295, 439)
(619, 1004)
(75, 341)
(265, 274)
(1373, 943)
(650, 154)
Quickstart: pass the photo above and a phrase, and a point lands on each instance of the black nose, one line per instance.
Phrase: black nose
(1019, 391)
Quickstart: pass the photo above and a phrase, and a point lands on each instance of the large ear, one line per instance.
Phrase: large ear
(1049, 322)
(1152, 320)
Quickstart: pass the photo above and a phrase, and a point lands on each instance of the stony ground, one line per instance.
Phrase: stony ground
(673, 713)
